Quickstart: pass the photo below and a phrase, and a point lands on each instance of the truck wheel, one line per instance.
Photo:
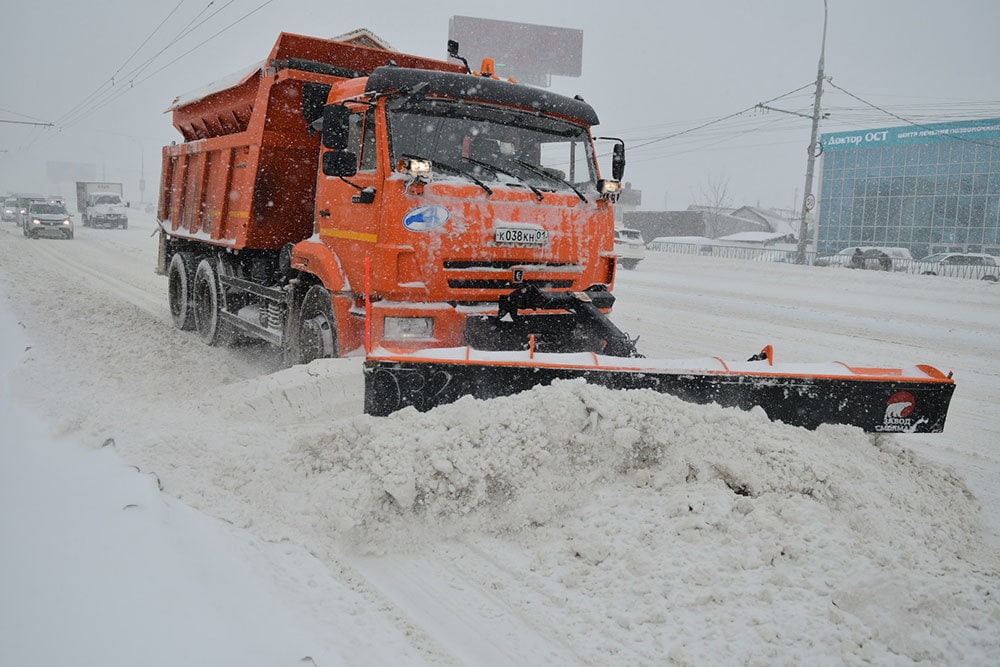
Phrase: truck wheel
(317, 335)
(180, 280)
(207, 304)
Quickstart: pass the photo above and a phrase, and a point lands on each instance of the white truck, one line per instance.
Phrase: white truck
(101, 204)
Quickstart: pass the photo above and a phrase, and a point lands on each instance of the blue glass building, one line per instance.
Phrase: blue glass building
(930, 188)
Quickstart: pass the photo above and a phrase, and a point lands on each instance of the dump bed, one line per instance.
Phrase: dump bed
(245, 176)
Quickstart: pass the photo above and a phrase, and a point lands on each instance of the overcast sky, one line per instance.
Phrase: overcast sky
(651, 69)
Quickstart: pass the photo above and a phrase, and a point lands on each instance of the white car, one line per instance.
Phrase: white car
(960, 265)
(629, 246)
(10, 210)
(48, 219)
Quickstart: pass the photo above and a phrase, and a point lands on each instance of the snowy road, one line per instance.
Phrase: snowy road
(512, 563)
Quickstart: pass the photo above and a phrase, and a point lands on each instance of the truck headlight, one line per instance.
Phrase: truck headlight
(408, 328)
(413, 167)
(66, 221)
(36, 221)
(608, 188)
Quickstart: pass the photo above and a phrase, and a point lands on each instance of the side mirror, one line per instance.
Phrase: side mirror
(618, 162)
(335, 126)
(617, 157)
(340, 163)
(313, 100)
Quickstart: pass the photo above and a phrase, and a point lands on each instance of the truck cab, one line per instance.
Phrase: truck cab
(105, 209)
(459, 199)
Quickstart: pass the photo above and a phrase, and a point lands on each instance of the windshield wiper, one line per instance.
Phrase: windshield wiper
(444, 166)
(541, 172)
(493, 167)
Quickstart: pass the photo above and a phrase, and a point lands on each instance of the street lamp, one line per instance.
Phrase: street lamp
(809, 201)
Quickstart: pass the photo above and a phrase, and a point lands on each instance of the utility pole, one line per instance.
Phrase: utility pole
(809, 200)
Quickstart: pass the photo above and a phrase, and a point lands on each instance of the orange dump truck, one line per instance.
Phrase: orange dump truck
(338, 192)
(454, 226)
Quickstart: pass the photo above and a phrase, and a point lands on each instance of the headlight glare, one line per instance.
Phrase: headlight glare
(408, 328)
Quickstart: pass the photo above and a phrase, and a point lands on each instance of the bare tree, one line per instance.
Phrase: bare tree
(715, 197)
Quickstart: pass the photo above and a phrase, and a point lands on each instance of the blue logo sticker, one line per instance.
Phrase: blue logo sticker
(425, 218)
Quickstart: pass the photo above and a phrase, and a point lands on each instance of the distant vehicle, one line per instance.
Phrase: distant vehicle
(959, 265)
(629, 246)
(10, 209)
(24, 200)
(48, 219)
(101, 204)
(869, 257)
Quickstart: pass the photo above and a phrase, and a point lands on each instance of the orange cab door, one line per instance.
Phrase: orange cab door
(348, 212)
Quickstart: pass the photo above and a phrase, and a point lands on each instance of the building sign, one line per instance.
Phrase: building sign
(970, 130)
(519, 49)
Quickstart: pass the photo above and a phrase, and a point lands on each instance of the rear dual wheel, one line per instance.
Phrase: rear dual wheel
(180, 285)
(208, 304)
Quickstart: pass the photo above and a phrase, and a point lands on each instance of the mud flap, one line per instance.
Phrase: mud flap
(875, 400)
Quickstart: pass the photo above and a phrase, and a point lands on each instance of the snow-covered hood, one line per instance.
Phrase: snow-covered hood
(104, 209)
(50, 217)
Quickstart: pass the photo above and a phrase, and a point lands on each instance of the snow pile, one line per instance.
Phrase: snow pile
(706, 515)
(525, 459)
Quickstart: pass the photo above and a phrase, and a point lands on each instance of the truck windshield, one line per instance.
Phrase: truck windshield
(107, 199)
(490, 143)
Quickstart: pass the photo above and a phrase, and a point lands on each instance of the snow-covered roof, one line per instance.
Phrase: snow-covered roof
(754, 237)
(776, 222)
(702, 240)
(364, 37)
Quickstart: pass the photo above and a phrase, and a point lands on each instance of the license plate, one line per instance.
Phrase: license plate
(518, 235)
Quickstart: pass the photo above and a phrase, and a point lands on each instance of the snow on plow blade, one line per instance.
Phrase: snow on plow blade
(900, 400)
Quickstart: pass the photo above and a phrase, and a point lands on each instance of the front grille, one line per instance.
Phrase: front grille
(506, 284)
(465, 265)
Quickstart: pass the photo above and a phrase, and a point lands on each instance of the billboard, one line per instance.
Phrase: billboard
(970, 130)
(67, 172)
(524, 51)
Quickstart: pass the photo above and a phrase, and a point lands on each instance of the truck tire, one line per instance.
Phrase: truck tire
(180, 280)
(317, 327)
(207, 297)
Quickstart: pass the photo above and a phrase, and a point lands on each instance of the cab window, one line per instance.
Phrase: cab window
(361, 139)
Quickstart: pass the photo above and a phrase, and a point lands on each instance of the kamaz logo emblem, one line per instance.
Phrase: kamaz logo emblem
(518, 276)
(425, 218)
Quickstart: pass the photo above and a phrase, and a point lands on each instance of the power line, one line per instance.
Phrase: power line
(110, 81)
(717, 120)
(25, 122)
(908, 121)
(68, 119)
(150, 36)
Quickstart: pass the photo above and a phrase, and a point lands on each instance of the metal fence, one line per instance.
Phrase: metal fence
(789, 256)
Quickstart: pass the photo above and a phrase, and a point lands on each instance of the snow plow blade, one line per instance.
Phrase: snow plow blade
(883, 400)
